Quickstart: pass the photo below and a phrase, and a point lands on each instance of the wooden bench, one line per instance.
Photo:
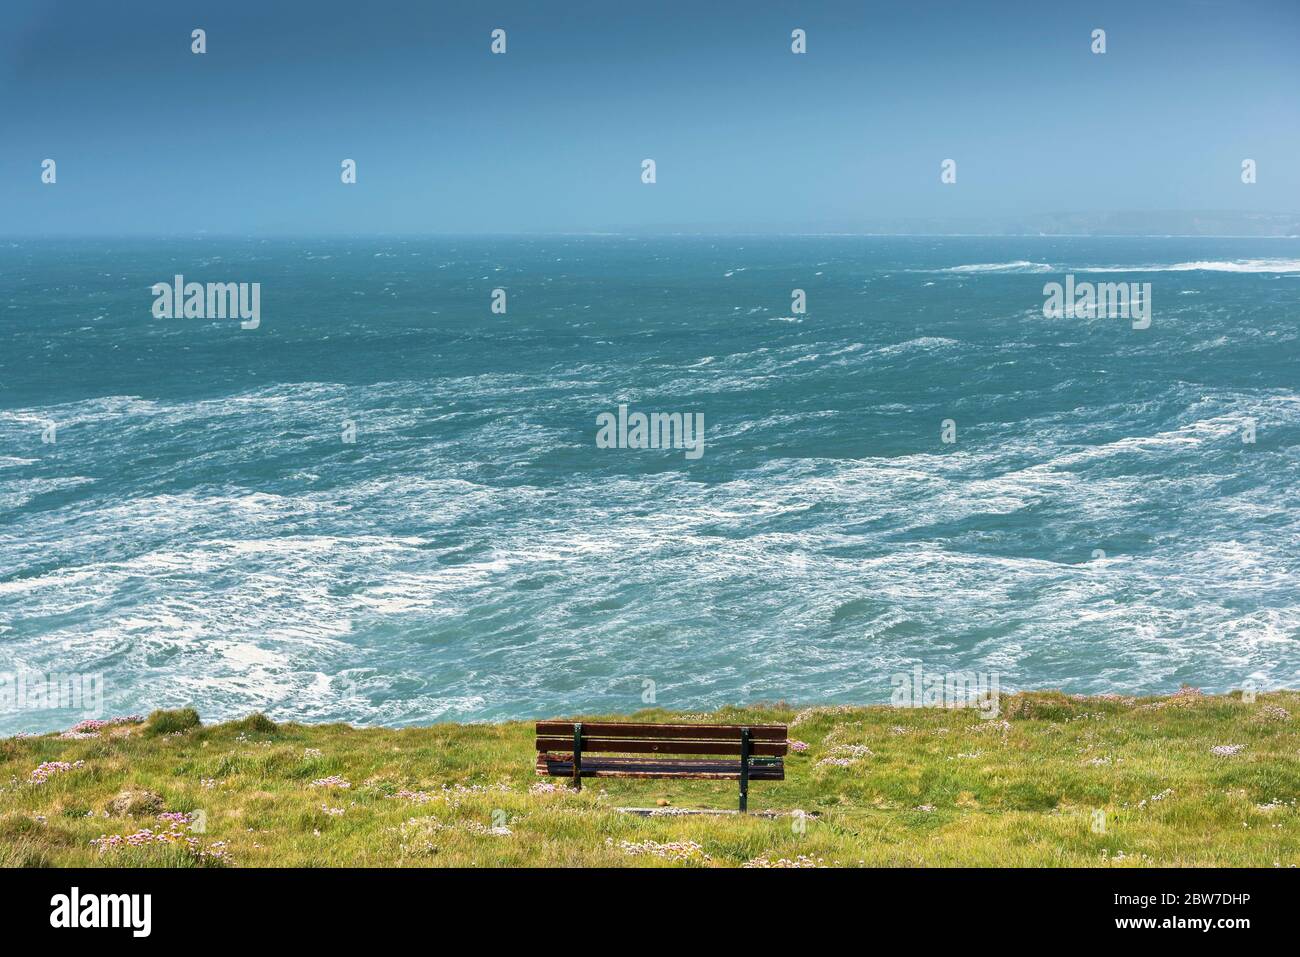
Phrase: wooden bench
(565, 750)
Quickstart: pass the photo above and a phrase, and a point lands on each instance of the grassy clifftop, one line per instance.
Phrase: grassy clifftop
(1054, 780)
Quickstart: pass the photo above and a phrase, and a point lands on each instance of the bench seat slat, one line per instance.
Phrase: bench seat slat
(562, 766)
(695, 732)
(634, 746)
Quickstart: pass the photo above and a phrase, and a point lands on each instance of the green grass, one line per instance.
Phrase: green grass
(939, 787)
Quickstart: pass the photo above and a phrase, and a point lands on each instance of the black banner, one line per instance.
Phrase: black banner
(350, 905)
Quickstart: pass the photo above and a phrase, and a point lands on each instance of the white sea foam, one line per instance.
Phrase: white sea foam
(1216, 265)
(1207, 265)
(1017, 266)
(14, 495)
(922, 344)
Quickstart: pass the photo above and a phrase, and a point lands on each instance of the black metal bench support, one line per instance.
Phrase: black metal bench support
(744, 770)
(577, 756)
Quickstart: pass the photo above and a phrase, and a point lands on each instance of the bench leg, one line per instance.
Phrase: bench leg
(744, 770)
(577, 756)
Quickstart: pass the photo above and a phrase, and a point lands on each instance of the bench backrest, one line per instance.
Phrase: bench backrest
(765, 740)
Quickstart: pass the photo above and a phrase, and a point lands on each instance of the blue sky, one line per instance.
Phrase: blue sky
(247, 139)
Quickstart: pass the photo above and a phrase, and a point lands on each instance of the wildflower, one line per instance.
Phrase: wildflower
(476, 788)
(146, 837)
(332, 811)
(834, 762)
(852, 750)
(843, 755)
(803, 860)
(419, 797)
(92, 726)
(1227, 750)
(452, 794)
(333, 781)
(430, 823)
(174, 817)
(51, 768)
(1156, 798)
(798, 746)
(673, 851)
(311, 752)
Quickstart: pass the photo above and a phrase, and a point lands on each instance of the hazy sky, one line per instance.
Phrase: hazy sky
(249, 137)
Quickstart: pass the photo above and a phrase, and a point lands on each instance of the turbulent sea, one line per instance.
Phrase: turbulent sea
(200, 533)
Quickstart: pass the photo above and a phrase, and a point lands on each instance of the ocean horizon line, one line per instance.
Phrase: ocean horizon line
(705, 234)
